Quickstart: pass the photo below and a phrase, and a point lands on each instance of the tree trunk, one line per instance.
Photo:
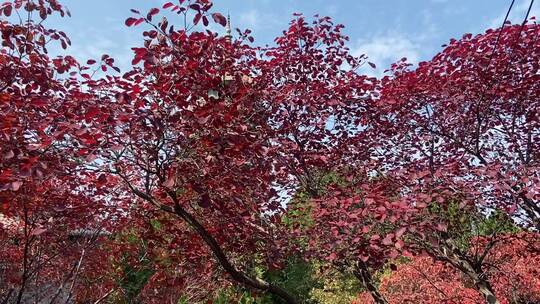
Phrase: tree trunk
(460, 262)
(361, 272)
(485, 289)
(223, 260)
(221, 257)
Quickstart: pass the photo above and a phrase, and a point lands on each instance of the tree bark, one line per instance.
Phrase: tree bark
(485, 289)
(474, 273)
(361, 272)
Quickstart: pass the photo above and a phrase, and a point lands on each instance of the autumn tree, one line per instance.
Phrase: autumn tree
(474, 108)
(186, 132)
(424, 280)
(460, 133)
(448, 140)
(45, 204)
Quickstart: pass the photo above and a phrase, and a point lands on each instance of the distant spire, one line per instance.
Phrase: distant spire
(229, 34)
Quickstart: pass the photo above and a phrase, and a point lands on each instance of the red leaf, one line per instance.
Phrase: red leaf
(139, 21)
(38, 231)
(16, 185)
(442, 227)
(401, 231)
(151, 13)
(192, 64)
(90, 158)
(331, 257)
(371, 64)
(92, 112)
(167, 5)
(9, 154)
(130, 21)
(7, 10)
(387, 241)
(90, 61)
(219, 18)
(169, 183)
(197, 18)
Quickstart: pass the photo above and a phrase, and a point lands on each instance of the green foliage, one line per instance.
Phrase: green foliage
(300, 209)
(304, 280)
(497, 222)
(156, 224)
(465, 223)
(132, 277)
(134, 281)
(298, 278)
(336, 288)
(299, 212)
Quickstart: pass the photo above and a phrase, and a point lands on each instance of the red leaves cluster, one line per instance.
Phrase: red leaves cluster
(45, 201)
(199, 8)
(459, 132)
(360, 223)
(423, 280)
(471, 115)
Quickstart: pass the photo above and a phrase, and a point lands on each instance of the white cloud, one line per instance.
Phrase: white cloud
(385, 48)
(516, 14)
(250, 19)
(256, 20)
(90, 43)
(382, 50)
(331, 10)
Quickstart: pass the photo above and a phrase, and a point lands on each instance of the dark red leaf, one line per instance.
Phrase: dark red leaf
(7, 10)
(151, 13)
(219, 18)
(197, 18)
(9, 154)
(38, 231)
(130, 21)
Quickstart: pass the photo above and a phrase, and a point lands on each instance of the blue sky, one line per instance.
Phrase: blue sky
(385, 30)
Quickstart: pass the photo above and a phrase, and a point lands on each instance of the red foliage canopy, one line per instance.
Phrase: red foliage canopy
(423, 280)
